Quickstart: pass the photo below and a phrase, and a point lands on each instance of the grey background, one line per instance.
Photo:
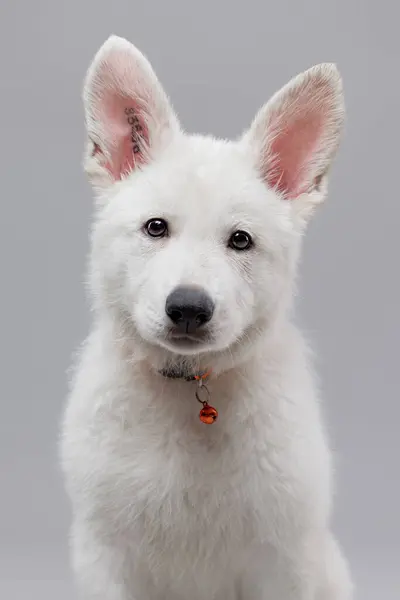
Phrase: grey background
(219, 61)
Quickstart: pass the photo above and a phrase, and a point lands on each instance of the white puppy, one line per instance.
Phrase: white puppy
(193, 259)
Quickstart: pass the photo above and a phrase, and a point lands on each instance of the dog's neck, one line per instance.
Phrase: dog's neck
(182, 367)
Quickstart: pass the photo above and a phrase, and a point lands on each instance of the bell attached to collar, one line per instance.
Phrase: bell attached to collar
(208, 414)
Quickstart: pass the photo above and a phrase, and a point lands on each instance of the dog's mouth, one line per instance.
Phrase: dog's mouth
(187, 342)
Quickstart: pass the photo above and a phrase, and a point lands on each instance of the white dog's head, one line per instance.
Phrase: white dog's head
(196, 239)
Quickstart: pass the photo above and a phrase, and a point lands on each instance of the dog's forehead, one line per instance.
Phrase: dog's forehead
(204, 176)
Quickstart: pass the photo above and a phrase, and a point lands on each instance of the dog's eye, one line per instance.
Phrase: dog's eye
(240, 240)
(156, 228)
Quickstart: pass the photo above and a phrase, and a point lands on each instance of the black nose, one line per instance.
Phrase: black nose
(189, 308)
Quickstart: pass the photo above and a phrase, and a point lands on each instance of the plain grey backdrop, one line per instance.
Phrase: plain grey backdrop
(219, 61)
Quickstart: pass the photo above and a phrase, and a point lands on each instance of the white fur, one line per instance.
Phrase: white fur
(165, 507)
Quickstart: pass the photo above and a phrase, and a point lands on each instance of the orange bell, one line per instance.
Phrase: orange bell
(208, 414)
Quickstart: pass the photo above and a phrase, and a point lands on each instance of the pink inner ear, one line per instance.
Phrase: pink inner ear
(293, 149)
(125, 132)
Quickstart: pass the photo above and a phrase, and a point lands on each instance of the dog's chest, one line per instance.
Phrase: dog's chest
(199, 491)
(193, 516)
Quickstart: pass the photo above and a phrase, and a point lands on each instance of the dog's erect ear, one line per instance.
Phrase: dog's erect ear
(294, 137)
(128, 115)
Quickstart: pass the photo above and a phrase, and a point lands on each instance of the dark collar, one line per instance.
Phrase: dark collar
(180, 374)
(177, 374)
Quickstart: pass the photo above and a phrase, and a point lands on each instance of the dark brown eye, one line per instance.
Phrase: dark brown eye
(156, 228)
(240, 240)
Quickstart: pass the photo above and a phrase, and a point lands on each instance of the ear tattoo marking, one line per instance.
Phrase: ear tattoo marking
(136, 129)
